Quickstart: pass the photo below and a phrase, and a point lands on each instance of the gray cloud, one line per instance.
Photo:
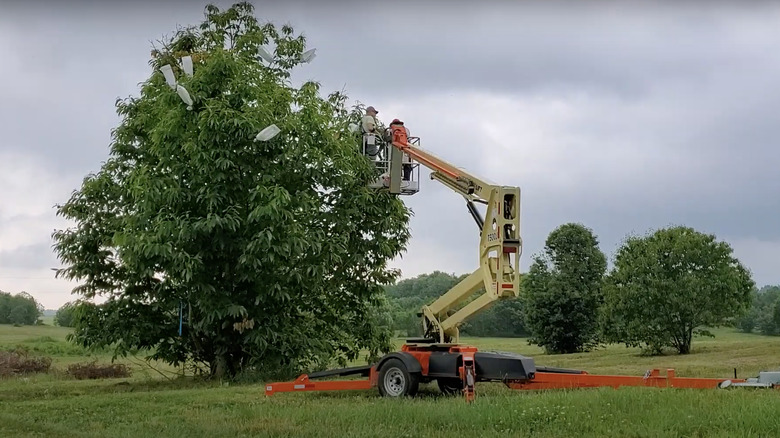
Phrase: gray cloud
(36, 256)
(627, 50)
(625, 117)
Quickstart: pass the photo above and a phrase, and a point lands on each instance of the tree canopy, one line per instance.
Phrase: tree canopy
(669, 285)
(199, 243)
(562, 291)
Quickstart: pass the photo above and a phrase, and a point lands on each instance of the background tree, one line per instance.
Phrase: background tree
(21, 309)
(66, 315)
(761, 315)
(768, 315)
(268, 253)
(408, 296)
(504, 319)
(748, 320)
(562, 291)
(670, 285)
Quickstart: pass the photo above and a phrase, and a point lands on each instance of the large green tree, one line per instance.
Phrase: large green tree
(199, 243)
(670, 285)
(562, 291)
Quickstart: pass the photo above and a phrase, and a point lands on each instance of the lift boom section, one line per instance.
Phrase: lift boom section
(500, 244)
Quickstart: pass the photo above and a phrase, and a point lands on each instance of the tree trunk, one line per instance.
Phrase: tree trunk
(219, 367)
(685, 345)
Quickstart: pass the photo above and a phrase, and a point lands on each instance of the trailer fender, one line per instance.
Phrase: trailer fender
(412, 365)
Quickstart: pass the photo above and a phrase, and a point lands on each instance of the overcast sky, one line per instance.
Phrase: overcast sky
(623, 117)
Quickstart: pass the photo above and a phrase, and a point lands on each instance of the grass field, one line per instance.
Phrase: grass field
(148, 404)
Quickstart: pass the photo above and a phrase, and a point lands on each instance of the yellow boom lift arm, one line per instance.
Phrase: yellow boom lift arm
(500, 244)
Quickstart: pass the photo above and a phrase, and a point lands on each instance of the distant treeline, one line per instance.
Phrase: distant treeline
(503, 319)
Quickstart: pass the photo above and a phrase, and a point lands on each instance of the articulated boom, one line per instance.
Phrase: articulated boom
(499, 250)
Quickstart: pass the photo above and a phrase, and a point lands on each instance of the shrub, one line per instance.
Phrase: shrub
(17, 362)
(93, 370)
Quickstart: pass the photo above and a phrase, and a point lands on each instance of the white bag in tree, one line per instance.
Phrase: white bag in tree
(267, 133)
(167, 71)
(185, 96)
(308, 55)
(264, 54)
(186, 65)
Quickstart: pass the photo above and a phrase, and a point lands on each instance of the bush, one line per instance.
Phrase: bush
(16, 362)
(92, 370)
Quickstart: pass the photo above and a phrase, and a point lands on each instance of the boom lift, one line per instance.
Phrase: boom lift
(439, 356)
(500, 245)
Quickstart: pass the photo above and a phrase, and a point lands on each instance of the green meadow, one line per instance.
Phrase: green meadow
(158, 401)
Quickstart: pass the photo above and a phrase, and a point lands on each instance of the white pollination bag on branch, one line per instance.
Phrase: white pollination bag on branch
(167, 71)
(265, 55)
(186, 65)
(308, 55)
(267, 133)
(185, 96)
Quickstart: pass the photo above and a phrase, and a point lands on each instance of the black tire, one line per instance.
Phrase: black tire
(450, 385)
(396, 381)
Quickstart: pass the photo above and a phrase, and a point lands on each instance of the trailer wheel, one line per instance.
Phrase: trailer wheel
(396, 381)
(450, 385)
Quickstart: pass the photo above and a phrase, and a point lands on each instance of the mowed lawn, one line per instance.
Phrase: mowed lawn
(148, 404)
